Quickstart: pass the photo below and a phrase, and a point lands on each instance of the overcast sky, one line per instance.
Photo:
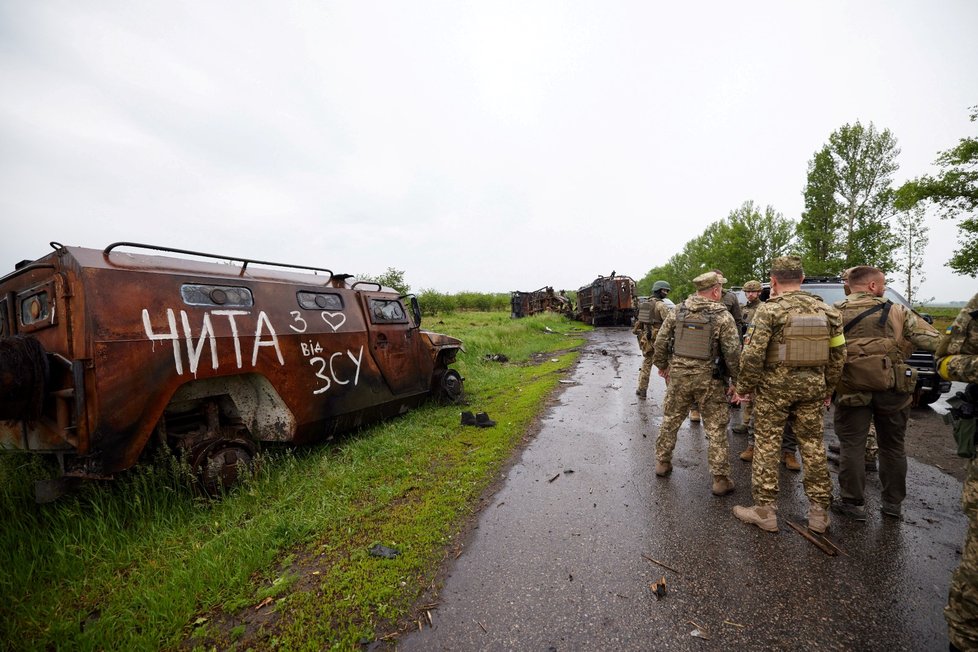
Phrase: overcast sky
(487, 146)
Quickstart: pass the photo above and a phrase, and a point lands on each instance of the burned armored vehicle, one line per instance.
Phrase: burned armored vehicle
(524, 304)
(608, 301)
(106, 353)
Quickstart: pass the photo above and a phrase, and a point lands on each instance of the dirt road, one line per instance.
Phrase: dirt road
(563, 555)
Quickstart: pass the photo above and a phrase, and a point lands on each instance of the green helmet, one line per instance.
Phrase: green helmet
(752, 286)
(661, 285)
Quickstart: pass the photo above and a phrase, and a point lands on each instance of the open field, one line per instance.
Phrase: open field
(142, 563)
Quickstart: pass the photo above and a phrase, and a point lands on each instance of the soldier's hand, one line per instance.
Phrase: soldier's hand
(664, 373)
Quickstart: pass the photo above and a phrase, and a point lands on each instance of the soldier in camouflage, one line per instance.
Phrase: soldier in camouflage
(872, 447)
(876, 386)
(752, 290)
(793, 356)
(651, 315)
(958, 360)
(697, 351)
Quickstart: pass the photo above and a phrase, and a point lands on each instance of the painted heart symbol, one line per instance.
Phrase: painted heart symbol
(333, 319)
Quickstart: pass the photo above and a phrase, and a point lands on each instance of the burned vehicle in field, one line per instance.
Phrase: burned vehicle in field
(608, 300)
(545, 299)
(104, 353)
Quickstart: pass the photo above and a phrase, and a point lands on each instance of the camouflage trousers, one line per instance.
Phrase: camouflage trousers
(961, 611)
(771, 411)
(684, 392)
(648, 351)
(644, 373)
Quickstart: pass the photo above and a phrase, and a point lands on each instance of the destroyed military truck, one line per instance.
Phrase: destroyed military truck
(608, 301)
(106, 353)
(524, 304)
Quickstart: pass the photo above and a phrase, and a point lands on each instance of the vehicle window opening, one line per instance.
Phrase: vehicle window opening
(216, 295)
(320, 301)
(386, 311)
(35, 308)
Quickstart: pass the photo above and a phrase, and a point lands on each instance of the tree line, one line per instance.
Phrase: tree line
(853, 215)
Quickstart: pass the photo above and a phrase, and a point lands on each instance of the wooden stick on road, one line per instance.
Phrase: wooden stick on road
(828, 550)
(655, 561)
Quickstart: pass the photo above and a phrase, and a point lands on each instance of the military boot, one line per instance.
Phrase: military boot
(818, 519)
(642, 391)
(748, 454)
(722, 485)
(763, 516)
(790, 461)
(694, 416)
(662, 469)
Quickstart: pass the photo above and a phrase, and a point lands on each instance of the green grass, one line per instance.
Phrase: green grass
(942, 316)
(142, 563)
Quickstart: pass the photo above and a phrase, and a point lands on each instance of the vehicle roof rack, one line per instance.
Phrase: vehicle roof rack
(245, 261)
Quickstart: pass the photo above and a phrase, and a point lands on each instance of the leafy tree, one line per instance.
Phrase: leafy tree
(392, 278)
(742, 246)
(849, 201)
(911, 232)
(955, 192)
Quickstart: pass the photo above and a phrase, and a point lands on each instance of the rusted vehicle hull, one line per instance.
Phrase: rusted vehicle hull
(542, 300)
(211, 358)
(608, 301)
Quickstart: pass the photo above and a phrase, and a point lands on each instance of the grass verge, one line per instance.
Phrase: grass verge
(283, 560)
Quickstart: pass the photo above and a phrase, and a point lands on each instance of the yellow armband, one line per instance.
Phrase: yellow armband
(942, 366)
(838, 340)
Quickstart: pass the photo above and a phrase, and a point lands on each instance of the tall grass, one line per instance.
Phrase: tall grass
(145, 563)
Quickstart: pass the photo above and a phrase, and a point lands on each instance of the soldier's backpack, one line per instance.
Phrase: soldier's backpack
(693, 337)
(874, 355)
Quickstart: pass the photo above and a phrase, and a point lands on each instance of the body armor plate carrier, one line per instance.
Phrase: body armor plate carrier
(804, 342)
(693, 335)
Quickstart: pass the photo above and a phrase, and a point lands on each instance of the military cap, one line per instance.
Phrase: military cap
(708, 280)
(786, 264)
(752, 286)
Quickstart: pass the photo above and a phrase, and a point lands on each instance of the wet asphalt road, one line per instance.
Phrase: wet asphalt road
(561, 565)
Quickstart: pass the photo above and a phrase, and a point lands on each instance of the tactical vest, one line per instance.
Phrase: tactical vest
(875, 349)
(645, 312)
(693, 337)
(804, 342)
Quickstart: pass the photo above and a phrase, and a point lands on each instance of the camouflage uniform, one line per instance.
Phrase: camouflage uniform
(693, 381)
(889, 410)
(646, 332)
(748, 310)
(958, 360)
(779, 390)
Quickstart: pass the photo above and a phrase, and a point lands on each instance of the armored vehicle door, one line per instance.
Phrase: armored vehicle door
(395, 345)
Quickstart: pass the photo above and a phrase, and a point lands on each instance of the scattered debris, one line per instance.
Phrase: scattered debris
(554, 359)
(264, 603)
(468, 419)
(659, 588)
(547, 329)
(655, 561)
(698, 633)
(383, 551)
(568, 471)
(730, 622)
(496, 357)
(566, 382)
(482, 626)
(604, 352)
(554, 478)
